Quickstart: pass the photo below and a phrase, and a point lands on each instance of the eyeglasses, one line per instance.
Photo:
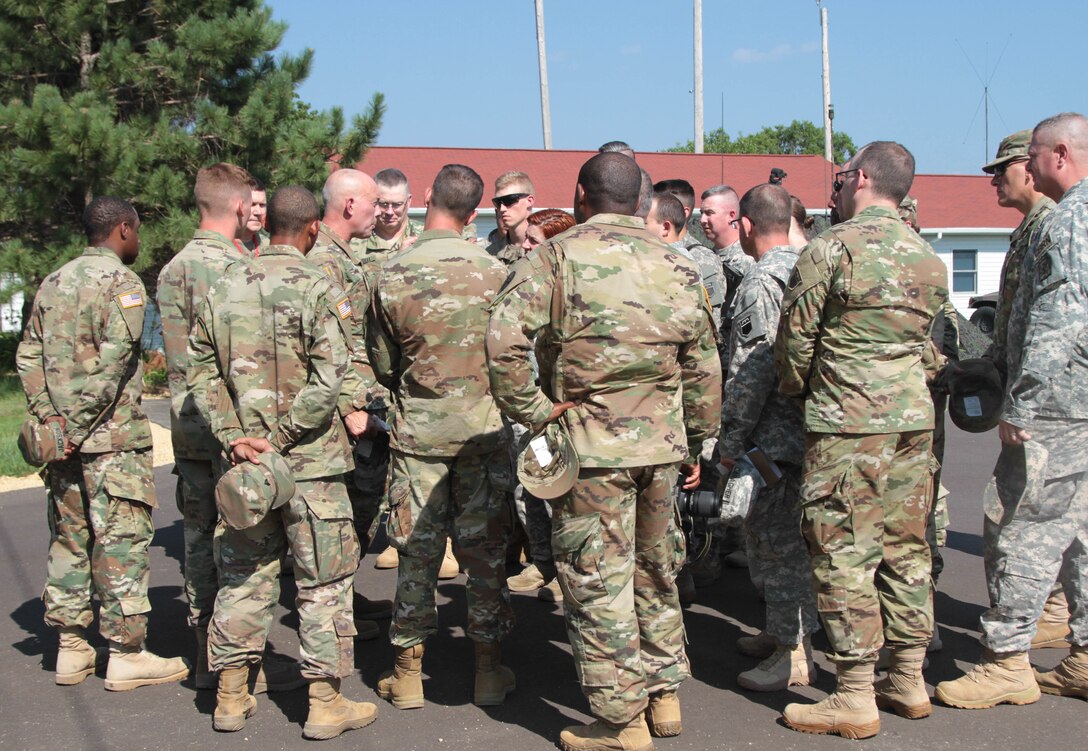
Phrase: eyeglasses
(1001, 169)
(508, 200)
(386, 205)
(839, 182)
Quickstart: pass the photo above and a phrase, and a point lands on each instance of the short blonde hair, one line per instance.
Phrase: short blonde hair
(519, 179)
(220, 184)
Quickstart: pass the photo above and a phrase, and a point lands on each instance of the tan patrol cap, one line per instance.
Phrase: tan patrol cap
(1010, 149)
(248, 491)
(558, 476)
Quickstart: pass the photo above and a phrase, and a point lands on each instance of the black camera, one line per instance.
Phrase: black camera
(699, 504)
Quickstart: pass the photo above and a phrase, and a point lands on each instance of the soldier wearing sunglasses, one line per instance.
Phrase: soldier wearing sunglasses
(513, 203)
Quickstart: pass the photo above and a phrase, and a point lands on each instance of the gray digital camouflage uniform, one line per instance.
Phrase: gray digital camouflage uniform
(80, 359)
(631, 342)
(755, 414)
(269, 353)
(1037, 502)
(451, 473)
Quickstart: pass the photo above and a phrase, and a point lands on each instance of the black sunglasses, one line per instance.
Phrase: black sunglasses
(508, 200)
(1001, 169)
(837, 185)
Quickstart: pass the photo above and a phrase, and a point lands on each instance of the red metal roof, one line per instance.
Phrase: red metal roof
(943, 200)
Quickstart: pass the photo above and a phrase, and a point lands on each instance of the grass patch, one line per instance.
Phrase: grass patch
(12, 415)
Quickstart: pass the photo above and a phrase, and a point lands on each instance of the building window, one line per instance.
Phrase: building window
(964, 270)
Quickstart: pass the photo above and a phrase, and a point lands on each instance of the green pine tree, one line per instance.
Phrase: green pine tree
(799, 137)
(131, 98)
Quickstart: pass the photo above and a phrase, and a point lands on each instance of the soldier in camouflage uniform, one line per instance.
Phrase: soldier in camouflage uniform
(755, 415)
(80, 365)
(223, 195)
(1037, 502)
(350, 202)
(269, 352)
(854, 342)
(394, 230)
(513, 202)
(642, 382)
(254, 236)
(451, 472)
(718, 218)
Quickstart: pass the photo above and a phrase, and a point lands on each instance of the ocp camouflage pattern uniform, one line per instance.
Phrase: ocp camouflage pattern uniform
(710, 268)
(375, 242)
(1037, 502)
(854, 342)
(269, 353)
(755, 414)
(183, 284)
(631, 342)
(507, 252)
(80, 359)
(346, 267)
(451, 472)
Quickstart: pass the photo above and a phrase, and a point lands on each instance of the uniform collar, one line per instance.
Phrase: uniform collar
(621, 220)
(281, 250)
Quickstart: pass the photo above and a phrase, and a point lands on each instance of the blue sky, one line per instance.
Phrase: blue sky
(464, 72)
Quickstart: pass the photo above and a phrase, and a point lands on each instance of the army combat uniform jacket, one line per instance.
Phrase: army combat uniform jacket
(624, 330)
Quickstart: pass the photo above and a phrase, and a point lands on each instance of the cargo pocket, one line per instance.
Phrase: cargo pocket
(335, 546)
(578, 549)
(597, 674)
(400, 525)
(827, 519)
(345, 637)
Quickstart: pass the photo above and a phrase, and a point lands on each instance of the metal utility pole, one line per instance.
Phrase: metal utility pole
(545, 108)
(828, 107)
(698, 76)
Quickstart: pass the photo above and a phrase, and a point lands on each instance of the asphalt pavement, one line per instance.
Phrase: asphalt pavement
(36, 714)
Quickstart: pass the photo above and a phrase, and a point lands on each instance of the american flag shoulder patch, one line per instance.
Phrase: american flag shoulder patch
(132, 299)
(344, 308)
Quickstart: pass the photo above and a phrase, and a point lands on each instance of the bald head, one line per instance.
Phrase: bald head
(350, 203)
(1058, 155)
(607, 183)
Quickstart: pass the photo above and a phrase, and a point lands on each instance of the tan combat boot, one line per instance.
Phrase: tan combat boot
(233, 703)
(493, 679)
(997, 679)
(388, 558)
(1069, 678)
(450, 568)
(203, 678)
(606, 736)
(76, 659)
(761, 646)
(132, 667)
(850, 711)
(663, 714)
(275, 676)
(529, 580)
(903, 690)
(789, 665)
(331, 714)
(403, 685)
(1053, 625)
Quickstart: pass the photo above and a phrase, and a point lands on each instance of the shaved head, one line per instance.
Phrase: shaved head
(344, 184)
(610, 183)
(351, 199)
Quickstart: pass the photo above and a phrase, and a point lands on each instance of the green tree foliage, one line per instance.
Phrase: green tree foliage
(799, 137)
(131, 98)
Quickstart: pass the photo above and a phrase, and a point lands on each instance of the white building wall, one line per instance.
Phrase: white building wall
(990, 246)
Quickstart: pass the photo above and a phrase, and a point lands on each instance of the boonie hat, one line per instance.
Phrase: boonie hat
(548, 473)
(247, 492)
(976, 396)
(41, 442)
(1011, 147)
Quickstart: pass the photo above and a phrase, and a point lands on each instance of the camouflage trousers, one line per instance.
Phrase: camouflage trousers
(100, 529)
(468, 499)
(195, 495)
(865, 499)
(618, 547)
(316, 526)
(366, 486)
(534, 514)
(937, 523)
(1036, 526)
(778, 559)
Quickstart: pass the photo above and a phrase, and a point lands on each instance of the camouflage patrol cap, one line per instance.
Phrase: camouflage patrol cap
(41, 442)
(557, 477)
(1011, 148)
(908, 211)
(975, 396)
(248, 491)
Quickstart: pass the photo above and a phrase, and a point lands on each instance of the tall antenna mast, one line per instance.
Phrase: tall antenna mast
(829, 110)
(698, 45)
(985, 103)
